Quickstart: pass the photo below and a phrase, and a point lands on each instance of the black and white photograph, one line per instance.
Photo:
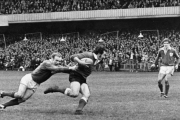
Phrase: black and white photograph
(89, 59)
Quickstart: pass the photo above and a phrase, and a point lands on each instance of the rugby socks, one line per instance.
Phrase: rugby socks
(10, 94)
(11, 103)
(160, 86)
(82, 103)
(166, 87)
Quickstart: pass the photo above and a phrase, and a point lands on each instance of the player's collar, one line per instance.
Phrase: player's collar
(95, 56)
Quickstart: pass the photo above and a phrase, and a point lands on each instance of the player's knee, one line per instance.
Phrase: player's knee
(71, 93)
(166, 82)
(159, 82)
(19, 96)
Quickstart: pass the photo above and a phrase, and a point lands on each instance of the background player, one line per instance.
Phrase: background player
(78, 77)
(168, 56)
(30, 82)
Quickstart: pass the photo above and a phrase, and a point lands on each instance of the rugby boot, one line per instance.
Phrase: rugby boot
(78, 112)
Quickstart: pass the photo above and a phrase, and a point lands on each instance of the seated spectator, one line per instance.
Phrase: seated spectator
(41, 6)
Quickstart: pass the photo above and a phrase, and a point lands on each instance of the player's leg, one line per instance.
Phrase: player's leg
(161, 76)
(19, 100)
(73, 91)
(23, 92)
(22, 88)
(27, 95)
(17, 95)
(167, 85)
(85, 96)
(170, 70)
(6, 93)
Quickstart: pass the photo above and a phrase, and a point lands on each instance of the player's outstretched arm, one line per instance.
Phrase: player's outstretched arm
(48, 65)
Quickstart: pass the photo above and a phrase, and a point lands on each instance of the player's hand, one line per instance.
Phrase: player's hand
(176, 66)
(153, 65)
(73, 67)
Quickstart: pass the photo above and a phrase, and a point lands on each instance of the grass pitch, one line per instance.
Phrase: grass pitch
(114, 96)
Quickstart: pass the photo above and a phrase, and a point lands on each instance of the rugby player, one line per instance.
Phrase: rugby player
(168, 56)
(30, 82)
(77, 78)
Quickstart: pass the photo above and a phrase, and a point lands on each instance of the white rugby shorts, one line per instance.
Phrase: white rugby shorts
(167, 70)
(29, 82)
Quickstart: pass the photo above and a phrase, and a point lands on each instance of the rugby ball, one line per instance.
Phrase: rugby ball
(88, 60)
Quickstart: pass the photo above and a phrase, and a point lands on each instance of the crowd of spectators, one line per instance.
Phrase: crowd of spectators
(123, 48)
(44, 6)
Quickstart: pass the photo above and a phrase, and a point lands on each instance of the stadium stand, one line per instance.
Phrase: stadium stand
(119, 50)
(45, 6)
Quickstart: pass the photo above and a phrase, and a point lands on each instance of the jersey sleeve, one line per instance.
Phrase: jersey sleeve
(176, 56)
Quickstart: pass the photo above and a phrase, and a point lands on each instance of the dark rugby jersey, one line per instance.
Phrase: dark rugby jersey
(41, 74)
(84, 71)
(167, 59)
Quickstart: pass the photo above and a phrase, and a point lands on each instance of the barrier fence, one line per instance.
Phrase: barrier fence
(135, 67)
(129, 67)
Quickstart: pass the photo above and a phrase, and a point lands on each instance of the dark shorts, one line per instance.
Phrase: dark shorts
(74, 76)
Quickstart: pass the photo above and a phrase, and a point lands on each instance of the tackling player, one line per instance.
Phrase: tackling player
(30, 82)
(168, 56)
(78, 78)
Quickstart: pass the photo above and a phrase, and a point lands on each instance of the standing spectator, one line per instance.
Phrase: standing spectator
(101, 64)
(110, 62)
(116, 62)
(145, 61)
(136, 60)
(139, 59)
(131, 61)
